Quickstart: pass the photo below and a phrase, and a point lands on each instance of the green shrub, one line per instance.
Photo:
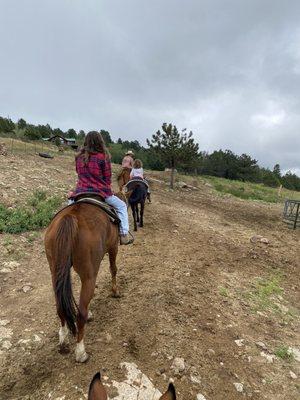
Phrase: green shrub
(36, 214)
(284, 353)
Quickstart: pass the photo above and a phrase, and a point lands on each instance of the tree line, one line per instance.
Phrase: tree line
(169, 148)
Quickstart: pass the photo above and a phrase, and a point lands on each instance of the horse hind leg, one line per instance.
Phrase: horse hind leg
(137, 213)
(133, 209)
(113, 270)
(63, 334)
(142, 213)
(86, 294)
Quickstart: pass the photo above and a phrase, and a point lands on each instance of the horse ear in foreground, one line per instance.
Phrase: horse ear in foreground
(170, 393)
(98, 392)
(79, 236)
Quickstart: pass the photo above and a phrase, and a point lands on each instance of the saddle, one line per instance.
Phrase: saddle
(97, 200)
(131, 185)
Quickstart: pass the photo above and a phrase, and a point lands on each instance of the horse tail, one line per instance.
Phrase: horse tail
(65, 238)
(138, 194)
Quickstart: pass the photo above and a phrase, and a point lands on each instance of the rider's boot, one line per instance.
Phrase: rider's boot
(126, 239)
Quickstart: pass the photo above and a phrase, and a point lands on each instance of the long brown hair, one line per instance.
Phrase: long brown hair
(137, 163)
(93, 143)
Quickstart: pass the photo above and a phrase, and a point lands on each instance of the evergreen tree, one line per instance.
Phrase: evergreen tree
(174, 149)
(106, 136)
(21, 123)
(276, 171)
(71, 133)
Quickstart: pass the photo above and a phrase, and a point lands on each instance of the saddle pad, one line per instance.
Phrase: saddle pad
(101, 204)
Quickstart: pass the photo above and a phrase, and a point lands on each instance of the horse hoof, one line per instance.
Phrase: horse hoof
(116, 295)
(82, 358)
(64, 349)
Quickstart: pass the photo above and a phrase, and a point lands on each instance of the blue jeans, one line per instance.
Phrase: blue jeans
(121, 210)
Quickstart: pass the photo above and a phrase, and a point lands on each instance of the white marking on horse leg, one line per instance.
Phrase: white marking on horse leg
(63, 334)
(90, 315)
(80, 354)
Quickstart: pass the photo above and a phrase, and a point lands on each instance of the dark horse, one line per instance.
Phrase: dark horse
(137, 190)
(79, 236)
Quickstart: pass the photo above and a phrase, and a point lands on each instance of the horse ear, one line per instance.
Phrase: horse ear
(97, 390)
(170, 393)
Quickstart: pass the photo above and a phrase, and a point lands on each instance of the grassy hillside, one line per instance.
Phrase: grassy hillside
(242, 190)
(224, 187)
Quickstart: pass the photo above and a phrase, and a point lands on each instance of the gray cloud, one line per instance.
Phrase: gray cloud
(227, 69)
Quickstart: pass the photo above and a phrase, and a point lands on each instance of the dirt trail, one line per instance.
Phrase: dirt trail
(186, 287)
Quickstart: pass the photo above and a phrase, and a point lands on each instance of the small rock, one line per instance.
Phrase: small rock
(6, 345)
(5, 270)
(200, 397)
(125, 344)
(259, 238)
(264, 240)
(239, 342)
(211, 352)
(261, 345)
(295, 352)
(37, 338)
(4, 322)
(108, 338)
(24, 341)
(269, 357)
(255, 239)
(239, 387)
(178, 364)
(27, 288)
(293, 375)
(11, 264)
(195, 379)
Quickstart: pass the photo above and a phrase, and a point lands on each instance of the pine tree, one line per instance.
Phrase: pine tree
(175, 149)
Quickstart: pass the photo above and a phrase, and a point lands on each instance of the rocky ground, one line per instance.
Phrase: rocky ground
(210, 298)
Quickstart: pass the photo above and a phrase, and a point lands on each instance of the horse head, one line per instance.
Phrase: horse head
(98, 392)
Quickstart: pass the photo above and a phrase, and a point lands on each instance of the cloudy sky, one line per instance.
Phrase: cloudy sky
(227, 69)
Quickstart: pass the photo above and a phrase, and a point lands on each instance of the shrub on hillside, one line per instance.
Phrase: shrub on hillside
(36, 214)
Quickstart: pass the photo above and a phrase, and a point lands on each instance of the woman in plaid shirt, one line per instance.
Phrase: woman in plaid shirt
(93, 167)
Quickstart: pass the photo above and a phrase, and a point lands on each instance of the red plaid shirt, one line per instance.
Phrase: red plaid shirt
(95, 175)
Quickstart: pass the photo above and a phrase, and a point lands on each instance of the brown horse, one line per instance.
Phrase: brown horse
(79, 236)
(97, 390)
(123, 177)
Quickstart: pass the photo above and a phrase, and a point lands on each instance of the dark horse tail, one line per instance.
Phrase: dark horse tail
(65, 238)
(139, 194)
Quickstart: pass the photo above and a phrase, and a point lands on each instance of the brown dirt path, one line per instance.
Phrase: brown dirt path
(185, 287)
